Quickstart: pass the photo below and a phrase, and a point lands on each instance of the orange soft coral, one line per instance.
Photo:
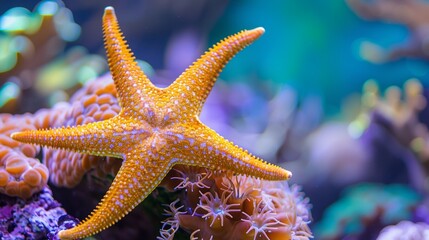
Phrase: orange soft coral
(96, 101)
(224, 206)
(21, 174)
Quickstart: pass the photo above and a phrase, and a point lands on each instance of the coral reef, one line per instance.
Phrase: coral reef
(386, 143)
(154, 130)
(220, 205)
(97, 101)
(22, 174)
(39, 217)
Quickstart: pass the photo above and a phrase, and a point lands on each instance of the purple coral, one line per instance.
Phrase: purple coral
(40, 217)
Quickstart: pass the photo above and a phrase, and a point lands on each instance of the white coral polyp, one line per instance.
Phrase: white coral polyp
(405, 230)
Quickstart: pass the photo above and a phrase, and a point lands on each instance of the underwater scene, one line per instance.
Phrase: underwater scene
(212, 120)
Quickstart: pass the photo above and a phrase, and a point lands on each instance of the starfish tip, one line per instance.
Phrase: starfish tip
(109, 10)
(259, 29)
(16, 136)
(289, 174)
(60, 234)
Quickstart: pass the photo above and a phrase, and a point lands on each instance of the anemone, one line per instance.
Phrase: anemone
(171, 224)
(262, 221)
(216, 207)
(191, 177)
(195, 237)
(239, 187)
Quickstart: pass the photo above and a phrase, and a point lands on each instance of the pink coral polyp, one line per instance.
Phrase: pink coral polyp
(216, 209)
(263, 222)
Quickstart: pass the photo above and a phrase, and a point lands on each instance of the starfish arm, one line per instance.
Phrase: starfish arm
(130, 80)
(194, 85)
(202, 146)
(97, 138)
(137, 178)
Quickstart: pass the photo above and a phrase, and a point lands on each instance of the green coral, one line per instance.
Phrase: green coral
(391, 203)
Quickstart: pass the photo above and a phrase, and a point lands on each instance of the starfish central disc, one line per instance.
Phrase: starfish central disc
(157, 140)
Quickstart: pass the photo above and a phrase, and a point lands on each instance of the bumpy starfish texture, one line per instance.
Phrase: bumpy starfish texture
(155, 129)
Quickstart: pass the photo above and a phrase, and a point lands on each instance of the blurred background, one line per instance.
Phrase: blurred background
(334, 90)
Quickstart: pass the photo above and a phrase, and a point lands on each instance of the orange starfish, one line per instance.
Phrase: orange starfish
(156, 129)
